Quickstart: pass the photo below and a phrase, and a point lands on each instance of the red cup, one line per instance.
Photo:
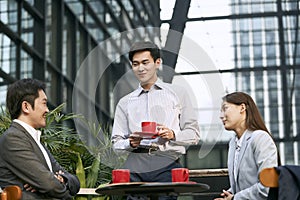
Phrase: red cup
(149, 127)
(120, 175)
(180, 175)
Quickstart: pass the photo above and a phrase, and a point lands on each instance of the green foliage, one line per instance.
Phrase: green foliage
(80, 172)
(94, 170)
(5, 120)
(61, 140)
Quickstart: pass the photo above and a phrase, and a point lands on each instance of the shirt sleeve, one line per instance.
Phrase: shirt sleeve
(72, 183)
(120, 129)
(189, 128)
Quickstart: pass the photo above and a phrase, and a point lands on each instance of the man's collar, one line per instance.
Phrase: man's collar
(36, 134)
(158, 85)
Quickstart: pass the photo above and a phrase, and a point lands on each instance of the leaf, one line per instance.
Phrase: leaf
(92, 176)
(5, 120)
(101, 198)
(80, 172)
(80, 198)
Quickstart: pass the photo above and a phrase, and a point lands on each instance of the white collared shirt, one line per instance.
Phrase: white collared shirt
(36, 135)
(238, 146)
(163, 103)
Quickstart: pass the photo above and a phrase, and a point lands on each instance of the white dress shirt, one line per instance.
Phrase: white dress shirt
(238, 146)
(165, 104)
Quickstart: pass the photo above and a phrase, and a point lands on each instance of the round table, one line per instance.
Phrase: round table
(153, 190)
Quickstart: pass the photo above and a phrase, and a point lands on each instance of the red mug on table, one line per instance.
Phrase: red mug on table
(120, 175)
(149, 127)
(180, 175)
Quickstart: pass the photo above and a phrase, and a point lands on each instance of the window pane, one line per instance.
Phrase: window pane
(26, 65)
(9, 15)
(7, 55)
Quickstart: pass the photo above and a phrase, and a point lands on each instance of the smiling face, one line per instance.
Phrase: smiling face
(144, 68)
(35, 117)
(233, 116)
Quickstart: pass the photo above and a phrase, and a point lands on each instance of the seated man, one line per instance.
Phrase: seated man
(24, 161)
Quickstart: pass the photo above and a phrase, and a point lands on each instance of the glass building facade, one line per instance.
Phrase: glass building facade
(83, 44)
(267, 60)
(254, 48)
(49, 40)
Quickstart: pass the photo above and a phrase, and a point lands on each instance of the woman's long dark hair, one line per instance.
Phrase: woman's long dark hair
(254, 120)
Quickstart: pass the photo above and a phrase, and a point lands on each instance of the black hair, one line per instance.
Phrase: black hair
(254, 120)
(145, 46)
(22, 90)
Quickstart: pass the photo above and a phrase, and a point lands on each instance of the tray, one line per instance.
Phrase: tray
(144, 135)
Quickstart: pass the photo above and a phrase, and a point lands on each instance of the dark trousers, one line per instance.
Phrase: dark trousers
(160, 175)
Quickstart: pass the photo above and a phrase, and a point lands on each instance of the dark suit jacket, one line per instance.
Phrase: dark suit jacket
(22, 161)
(288, 184)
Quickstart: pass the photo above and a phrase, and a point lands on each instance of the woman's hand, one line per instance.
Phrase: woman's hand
(225, 196)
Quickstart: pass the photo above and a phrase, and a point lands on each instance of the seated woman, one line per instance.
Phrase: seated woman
(251, 150)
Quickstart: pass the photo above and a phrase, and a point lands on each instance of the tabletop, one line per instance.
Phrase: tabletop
(153, 189)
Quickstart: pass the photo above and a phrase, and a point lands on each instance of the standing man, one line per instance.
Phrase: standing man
(151, 160)
(24, 161)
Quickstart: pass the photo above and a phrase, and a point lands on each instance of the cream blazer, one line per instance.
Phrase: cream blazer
(258, 151)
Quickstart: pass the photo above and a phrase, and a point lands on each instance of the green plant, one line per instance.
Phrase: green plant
(5, 120)
(94, 174)
(72, 150)
(61, 139)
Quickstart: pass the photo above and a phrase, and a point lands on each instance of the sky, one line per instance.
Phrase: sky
(214, 42)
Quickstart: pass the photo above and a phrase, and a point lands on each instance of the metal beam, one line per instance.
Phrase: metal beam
(173, 42)
(284, 82)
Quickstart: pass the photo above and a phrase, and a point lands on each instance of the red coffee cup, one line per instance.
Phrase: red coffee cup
(149, 127)
(180, 175)
(120, 175)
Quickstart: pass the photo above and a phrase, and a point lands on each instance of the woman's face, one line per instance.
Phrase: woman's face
(233, 116)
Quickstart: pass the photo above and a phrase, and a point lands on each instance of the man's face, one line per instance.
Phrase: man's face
(144, 68)
(37, 116)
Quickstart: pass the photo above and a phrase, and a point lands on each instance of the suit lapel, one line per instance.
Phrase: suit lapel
(35, 146)
(244, 146)
(231, 153)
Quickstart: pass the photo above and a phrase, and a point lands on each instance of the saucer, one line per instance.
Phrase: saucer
(144, 135)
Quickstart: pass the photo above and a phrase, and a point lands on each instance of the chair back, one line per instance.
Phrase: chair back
(11, 192)
(269, 177)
